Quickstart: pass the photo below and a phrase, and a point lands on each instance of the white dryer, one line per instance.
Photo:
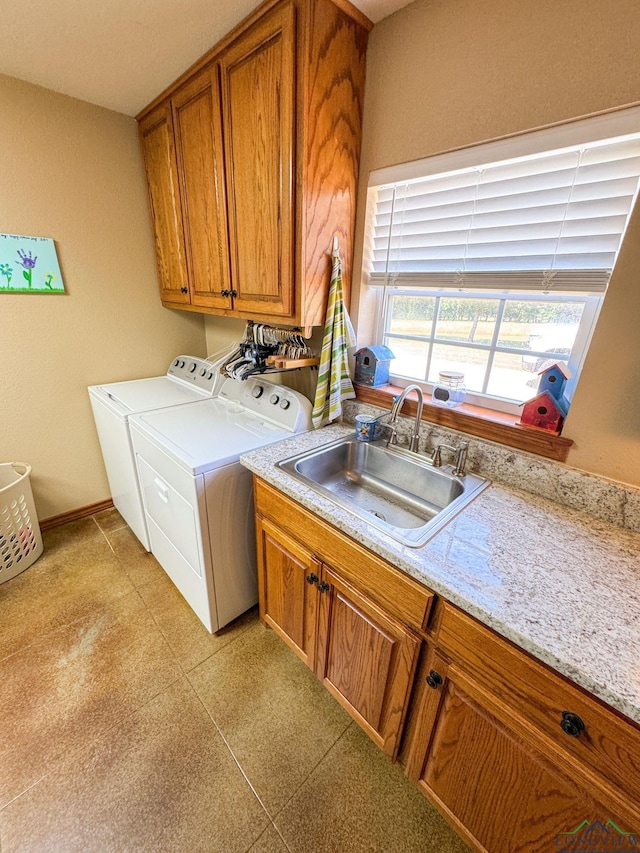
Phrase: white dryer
(188, 379)
(198, 498)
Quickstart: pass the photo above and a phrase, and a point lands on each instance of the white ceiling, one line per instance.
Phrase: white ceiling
(120, 54)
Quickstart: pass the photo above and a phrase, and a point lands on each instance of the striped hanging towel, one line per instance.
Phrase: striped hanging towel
(334, 384)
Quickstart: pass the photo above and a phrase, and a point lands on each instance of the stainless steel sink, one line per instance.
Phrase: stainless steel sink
(399, 492)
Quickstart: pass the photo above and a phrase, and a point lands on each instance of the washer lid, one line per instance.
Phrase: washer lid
(207, 434)
(140, 395)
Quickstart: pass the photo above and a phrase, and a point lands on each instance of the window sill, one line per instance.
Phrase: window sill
(475, 420)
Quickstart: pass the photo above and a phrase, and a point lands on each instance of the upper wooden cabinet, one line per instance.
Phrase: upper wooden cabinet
(156, 133)
(197, 124)
(253, 168)
(258, 94)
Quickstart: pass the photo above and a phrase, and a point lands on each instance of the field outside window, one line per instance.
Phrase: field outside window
(499, 343)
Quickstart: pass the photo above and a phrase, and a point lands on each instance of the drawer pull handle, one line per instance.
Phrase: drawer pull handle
(323, 587)
(312, 578)
(163, 490)
(434, 679)
(571, 724)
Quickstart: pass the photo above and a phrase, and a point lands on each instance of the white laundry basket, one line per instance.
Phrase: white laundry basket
(20, 537)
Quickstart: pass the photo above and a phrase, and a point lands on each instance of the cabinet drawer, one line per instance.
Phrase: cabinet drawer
(399, 594)
(606, 753)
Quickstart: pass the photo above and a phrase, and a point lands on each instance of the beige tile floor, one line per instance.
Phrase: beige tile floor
(125, 726)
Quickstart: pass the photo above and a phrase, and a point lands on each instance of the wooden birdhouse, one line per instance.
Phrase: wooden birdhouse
(544, 411)
(372, 366)
(553, 379)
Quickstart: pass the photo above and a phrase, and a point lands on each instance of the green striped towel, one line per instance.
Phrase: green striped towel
(334, 384)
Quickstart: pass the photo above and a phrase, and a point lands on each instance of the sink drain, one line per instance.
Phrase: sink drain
(377, 514)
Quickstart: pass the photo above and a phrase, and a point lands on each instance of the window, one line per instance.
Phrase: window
(496, 265)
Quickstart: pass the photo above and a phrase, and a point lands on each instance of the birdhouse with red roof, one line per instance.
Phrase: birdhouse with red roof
(548, 409)
(545, 412)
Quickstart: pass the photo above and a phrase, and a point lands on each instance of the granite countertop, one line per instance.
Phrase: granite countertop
(559, 583)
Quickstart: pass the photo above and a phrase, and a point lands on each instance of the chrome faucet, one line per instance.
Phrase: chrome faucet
(461, 456)
(395, 411)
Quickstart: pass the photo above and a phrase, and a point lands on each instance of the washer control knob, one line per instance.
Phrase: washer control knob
(284, 403)
(193, 367)
(203, 373)
(210, 376)
(258, 390)
(182, 364)
(273, 399)
(176, 363)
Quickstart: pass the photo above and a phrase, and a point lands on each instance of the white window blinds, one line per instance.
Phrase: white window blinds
(549, 221)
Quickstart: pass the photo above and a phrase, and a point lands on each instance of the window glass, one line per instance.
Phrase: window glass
(431, 333)
(411, 315)
(511, 377)
(410, 357)
(467, 320)
(473, 363)
(547, 326)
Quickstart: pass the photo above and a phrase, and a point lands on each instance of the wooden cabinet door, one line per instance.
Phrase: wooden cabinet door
(477, 762)
(259, 128)
(156, 134)
(197, 121)
(365, 658)
(287, 578)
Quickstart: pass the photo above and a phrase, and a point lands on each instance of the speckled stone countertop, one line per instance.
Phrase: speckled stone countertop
(559, 583)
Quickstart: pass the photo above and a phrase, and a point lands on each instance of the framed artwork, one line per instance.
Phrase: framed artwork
(29, 265)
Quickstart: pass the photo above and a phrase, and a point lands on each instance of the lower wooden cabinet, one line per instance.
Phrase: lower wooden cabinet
(287, 574)
(480, 766)
(364, 656)
(511, 753)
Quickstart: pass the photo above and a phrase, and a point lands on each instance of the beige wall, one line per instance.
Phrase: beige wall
(443, 74)
(73, 172)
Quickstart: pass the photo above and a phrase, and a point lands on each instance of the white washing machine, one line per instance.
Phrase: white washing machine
(198, 499)
(188, 379)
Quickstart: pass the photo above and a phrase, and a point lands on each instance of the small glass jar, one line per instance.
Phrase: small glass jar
(449, 390)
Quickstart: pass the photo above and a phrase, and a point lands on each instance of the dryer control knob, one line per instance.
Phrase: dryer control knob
(203, 373)
(210, 376)
(257, 391)
(182, 364)
(274, 399)
(193, 367)
(284, 404)
(176, 362)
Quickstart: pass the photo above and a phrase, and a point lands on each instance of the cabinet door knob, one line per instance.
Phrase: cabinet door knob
(571, 724)
(233, 293)
(312, 578)
(225, 293)
(434, 679)
(184, 290)
(323, 587)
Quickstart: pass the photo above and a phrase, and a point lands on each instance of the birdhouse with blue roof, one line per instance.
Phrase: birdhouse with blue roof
(372, 366)
(548, 409)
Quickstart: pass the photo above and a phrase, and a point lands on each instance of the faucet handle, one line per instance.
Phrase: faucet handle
(461, 458)
(393, 435)
(460, 451)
